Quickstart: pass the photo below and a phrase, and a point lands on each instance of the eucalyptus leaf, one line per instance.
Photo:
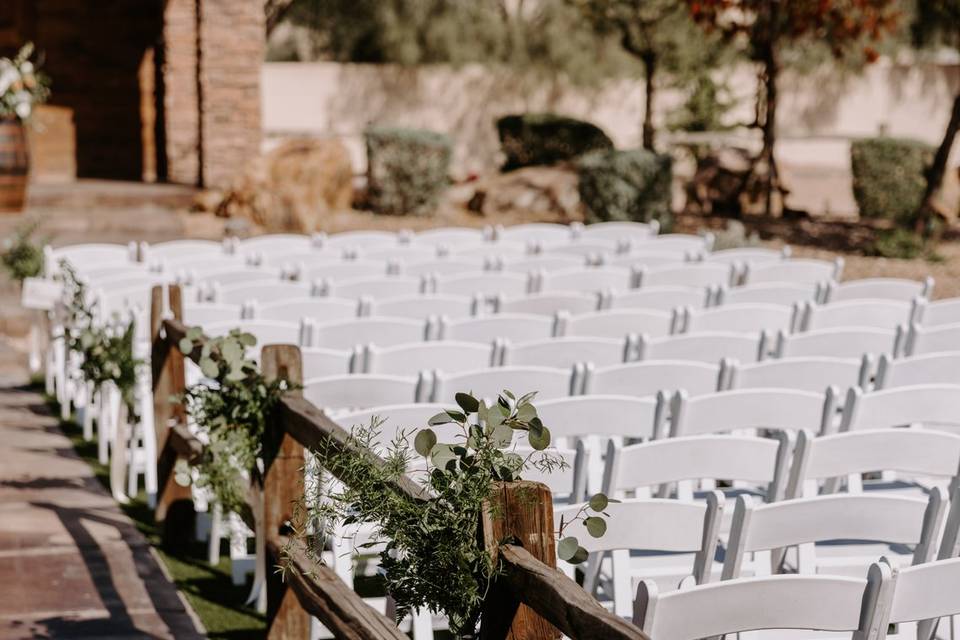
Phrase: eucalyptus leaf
(424, 441)
(194, 333)
(595, 526)
(567, 548)
(441, 418)
(441, 455)
(232, 352)
(467, 402)
(526, 412)
(599, 502)
(580, 556)
(502, 436)
(539, 438)
(209, 368)
(186, 345)
(247, 339)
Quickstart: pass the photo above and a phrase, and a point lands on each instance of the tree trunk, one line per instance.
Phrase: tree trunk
(650, 72)
(771, 180)
(939, 168)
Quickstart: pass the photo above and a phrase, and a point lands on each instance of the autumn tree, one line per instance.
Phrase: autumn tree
(937, 24)
(764, 28)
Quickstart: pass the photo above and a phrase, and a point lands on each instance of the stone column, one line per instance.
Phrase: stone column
(181, 96)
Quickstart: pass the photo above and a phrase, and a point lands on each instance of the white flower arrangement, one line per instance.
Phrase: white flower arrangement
(22, 86)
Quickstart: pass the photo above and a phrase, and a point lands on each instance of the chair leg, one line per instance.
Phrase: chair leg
(216, 533)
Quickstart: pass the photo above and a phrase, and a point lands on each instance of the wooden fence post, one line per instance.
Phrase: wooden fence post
(168, 380)
(521, 512)
(283, 488)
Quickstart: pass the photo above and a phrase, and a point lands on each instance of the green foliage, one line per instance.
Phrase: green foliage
(889, 177)
(22, 256)
(897, 243)
(735, 236)
(626, 185)
(407, 169)
(936, 22)
(429, 550)
(231, 408)
(706, 105)
(546, 138)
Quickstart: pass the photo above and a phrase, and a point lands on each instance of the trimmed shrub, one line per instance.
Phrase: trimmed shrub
(626, 185)
(407, 169)
(889, 177)
(545, 138)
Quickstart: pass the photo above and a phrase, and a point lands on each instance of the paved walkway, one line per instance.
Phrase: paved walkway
(72, 565)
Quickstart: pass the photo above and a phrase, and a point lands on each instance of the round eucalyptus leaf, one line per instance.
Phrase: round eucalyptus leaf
(247, 339)
(599, 502)
(502, 436)
(236, 375)
(539, 438)
(186, 345)
(209, 368)
(181, 473)
(442, 455)
(526, 412)
(194, 333)
(231, 351)
(467, 402)
(567, 548)
(579, 556)
(441, 418)
(424, 441)
(596, 526)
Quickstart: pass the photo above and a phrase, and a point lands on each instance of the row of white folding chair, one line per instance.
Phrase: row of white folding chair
(941, 367)
(938, 312)
(920, 339)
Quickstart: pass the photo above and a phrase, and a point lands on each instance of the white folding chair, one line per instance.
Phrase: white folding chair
(446, 266)
(616, 323)
(548, 304)
(618, 230)
(319, 309)
(263, 291)
(765, 531)
(318, 362)
(649, 378)
(485, 329)
(798, 270)
(661, 298)
(681, 242)
(587, 280)
(333, 272)
(711, 346)
(277, 244)
(361, 238)
(184, 248)
(814, 373)
(422, 307)
(742, 255)
(375, 288)
(921, 340)
(602, 415)
(565, 352)
(938, 312)
(920, 594)
(694, 274)
(782, 293)
(489, 383)
(236, 277)
(484, 283)
(539, 262)
(400, 254)
(266, 332)
(592, 251)
(816, 603)
(407, 359)
(86, 256)
(670, 526)
(844, 342)
(646, 259)
(450, 236)
(739, 318)
(899, 289)
(381, 331)
(498, 252)
(785, 410)
(360, 391)
(935, 406)
(878, 314)
(935, 368)
(209, 313)
(539, 232)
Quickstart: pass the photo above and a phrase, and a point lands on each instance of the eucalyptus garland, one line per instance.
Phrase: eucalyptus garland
(22, 256)
(231, 407)
(429, 551)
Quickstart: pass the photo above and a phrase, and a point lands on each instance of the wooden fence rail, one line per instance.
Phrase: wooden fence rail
(531, 600)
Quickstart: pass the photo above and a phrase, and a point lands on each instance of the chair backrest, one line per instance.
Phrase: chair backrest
(661, 298)
(407, 359)
(935, 368)
(299, 263)
(539, 262)
(396, 419)
(381, 331)
(599, 415)
(239, 277)
(711, 347)
(204, 314)
(450, 236)
(779, 409)
(650, 377)
(549, 304)
(850, 342)
(890, 519)
(921, 340)
(362, 238)
(783, 293)
(593, 280)
(375, 288)
(616, 231)
(923, 592)
(821, 603)
(185, 248)
(913, 452)
(616, 323)
(931, 314)
(401, 253)
(932, 404)
(681, 242)
(263, 292)
(565, 352)
(84, 256)
(534, 232)
(489, 383)
(446, 266)
(332, 272)
(740, 318)
(760, 461)
(495, 252)
(900, 289)
(277, 243)
(266, 332)
(794, 270)
(743, 255)
(319, 362)
(589, 250)
(694, 274)
(517, 327)
(648, 259)
(880, 314)
(421, 307)
(814, 373)
(293, 309)
(485, 283)
(360, 391)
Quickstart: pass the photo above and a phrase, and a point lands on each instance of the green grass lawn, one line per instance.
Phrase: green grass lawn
(208, 589)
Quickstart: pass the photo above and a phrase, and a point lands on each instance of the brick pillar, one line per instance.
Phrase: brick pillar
(181, 97)
(233, 42)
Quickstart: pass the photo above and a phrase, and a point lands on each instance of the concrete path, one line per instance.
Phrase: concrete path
(72, 564)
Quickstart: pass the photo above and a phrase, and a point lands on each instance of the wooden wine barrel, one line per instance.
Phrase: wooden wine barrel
(14, 166)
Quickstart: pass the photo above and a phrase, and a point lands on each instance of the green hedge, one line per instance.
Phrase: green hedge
(545, 138)
(626, 185)
(889, 177)
(407, 169)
